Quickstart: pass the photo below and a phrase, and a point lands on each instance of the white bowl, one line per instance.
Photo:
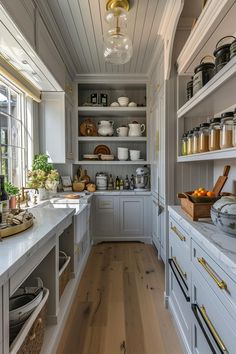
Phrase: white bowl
(114, 104)
(123, 101)
(132, 104)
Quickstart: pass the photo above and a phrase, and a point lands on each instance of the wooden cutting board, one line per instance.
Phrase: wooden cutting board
(221, 181)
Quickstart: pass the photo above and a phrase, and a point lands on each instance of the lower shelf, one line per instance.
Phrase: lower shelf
(114, 162)
(210, 155)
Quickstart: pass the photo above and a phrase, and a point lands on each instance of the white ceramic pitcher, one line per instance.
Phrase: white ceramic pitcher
(136, 129)
(105, 127)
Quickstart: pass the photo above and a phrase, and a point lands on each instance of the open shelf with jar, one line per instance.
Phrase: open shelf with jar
(100, 118)
(216, 95)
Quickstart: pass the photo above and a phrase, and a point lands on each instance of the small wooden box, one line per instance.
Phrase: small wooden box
(196, 210)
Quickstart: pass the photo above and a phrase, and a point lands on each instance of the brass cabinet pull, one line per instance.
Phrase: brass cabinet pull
(221, 284)
(214, 333)
(184, 274)
(176, 231)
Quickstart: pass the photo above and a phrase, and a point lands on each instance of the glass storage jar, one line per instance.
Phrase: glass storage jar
(226, 130)
(184, 140)
(234, 129)
(190, 142)
(202, 74)
(204, 137)
(195, 140)
(214, 134)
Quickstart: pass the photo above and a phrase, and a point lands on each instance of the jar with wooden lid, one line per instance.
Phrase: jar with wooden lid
(234, 129)
(204, 137)
(184, 140)
(190, 142)
(226, 130)
(196, 140)
(214, 134)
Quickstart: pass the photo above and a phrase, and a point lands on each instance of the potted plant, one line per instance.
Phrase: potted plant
(42, 176)
(12, 191)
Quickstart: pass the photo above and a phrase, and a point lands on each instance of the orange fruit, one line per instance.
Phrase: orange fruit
(199, 194)
(203, 193)
(210, 194)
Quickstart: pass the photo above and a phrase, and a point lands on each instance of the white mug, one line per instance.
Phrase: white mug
(122, 153)
(122, 131)
(134, 155)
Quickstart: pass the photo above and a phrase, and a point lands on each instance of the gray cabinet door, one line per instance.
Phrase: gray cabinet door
(69, 129)
(106, 216)
(131, 216)
(155, 233)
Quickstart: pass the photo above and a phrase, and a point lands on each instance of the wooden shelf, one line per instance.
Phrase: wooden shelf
(210, 155)
(215, 96)
(114, 162)
(112, 111)
(214, 22)
(112, 138)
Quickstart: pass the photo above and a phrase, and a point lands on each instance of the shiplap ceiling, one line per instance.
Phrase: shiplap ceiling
(82, 26)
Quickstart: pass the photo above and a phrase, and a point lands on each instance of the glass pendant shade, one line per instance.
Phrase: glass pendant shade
(117, 14)
(118, 48)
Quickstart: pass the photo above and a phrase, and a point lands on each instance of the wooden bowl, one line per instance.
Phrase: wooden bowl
(203, 199)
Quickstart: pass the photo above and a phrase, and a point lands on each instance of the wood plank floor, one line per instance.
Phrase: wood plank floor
(119, 306)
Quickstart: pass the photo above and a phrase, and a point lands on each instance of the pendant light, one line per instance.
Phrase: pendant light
(118, 47)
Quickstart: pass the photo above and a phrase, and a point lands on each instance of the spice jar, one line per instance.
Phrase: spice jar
(189, 142)
(202, 74)
(234, 131)
(222, 54)
(214, 134)
(184, 140)
(189, 91)
(226, 130)
(204, 137)
(196, 140)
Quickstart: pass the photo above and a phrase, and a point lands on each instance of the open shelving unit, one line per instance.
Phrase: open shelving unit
(218, 95)
(112, 111)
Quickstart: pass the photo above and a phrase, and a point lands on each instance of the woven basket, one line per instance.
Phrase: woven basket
(33, 341)
(64, 273)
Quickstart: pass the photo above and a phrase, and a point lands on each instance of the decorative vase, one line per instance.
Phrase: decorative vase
(51, 186)
(12, 202)
(43, 194)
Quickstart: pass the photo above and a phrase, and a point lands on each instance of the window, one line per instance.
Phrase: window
(16, 138)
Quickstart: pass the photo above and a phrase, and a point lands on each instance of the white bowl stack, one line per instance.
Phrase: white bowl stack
(123, 101)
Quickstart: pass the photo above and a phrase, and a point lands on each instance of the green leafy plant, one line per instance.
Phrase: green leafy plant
(40, 162)
(11, 189)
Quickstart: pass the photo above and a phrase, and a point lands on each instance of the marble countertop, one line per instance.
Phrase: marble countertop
(123, 192)
(15, 250)
(219, 245)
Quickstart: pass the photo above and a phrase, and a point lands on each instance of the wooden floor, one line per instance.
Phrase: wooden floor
(119, 306)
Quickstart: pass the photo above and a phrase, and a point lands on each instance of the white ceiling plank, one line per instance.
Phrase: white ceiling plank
(81, 50)
(64, 31)
(141, 16)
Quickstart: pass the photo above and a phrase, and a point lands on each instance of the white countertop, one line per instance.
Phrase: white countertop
(122, 192)
(219, 245)
(15, 250)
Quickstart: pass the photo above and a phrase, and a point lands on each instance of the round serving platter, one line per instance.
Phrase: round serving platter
(15, 229)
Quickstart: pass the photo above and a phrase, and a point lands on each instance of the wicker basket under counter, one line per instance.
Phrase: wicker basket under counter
(64, 273)
(31, 335)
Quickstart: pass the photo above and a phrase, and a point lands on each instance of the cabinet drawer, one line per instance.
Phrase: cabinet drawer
(178, 234)
(214, 330)
(181, 261)
(105, 203)
(223, 286)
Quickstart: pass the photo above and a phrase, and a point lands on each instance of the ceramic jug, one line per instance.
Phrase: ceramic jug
(105, 127)
(136, 129)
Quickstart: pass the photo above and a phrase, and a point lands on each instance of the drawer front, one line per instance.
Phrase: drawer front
(105, 203)
(178, 234)
(223, 286)
(214, 327)
(181, 260)
(180, 304)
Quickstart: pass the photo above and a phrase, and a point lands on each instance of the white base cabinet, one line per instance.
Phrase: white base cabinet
(121, 218)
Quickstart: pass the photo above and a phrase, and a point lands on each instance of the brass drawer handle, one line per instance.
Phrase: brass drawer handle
(184, 274)
(176, 231)
(214, 332)
(221, 284)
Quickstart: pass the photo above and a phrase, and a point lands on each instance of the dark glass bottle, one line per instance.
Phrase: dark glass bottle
(132, 182)
(117, 183)
(126, 182)
(3, 200)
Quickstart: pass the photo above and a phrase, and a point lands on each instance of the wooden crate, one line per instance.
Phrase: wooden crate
(196, 210)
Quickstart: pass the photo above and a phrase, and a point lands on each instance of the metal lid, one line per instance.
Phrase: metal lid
(227, 114)
(215, 120)
(196, 129)
(184, 135)
(202, 66)
(204, 125)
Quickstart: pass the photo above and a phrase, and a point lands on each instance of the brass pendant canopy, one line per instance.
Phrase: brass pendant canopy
(112, 4)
